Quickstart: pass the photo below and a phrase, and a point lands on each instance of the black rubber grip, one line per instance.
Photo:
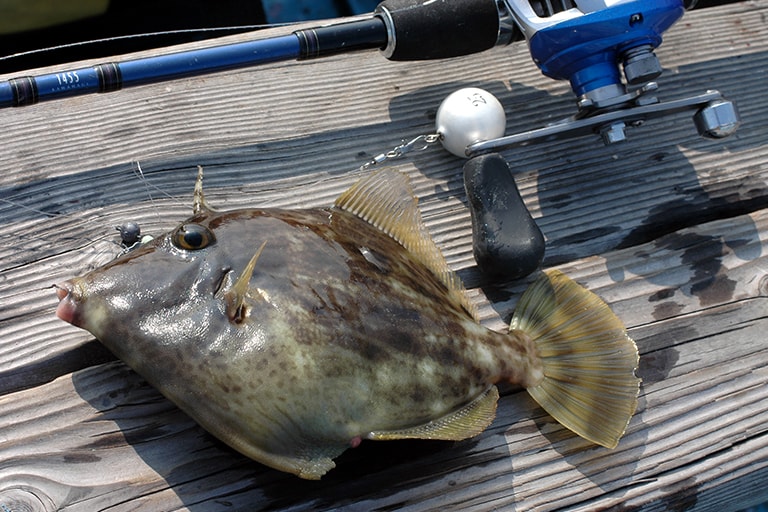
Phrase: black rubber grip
(439, 29)
(506, 241)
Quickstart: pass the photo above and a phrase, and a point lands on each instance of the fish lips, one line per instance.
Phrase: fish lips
(70, 294)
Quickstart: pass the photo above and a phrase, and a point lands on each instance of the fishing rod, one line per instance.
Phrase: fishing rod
(402, 29)
(604, 48)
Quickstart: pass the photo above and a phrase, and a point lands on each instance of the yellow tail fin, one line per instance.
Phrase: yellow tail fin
(589, 362)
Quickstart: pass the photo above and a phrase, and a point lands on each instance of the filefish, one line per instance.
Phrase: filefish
(293, 335)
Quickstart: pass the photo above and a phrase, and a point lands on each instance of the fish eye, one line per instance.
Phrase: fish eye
(192, 237)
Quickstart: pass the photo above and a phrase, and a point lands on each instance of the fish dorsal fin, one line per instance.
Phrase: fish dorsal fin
(464, 423)
(199, 204)
(386, 200)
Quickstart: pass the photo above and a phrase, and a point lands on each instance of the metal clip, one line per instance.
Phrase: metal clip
(419, 143)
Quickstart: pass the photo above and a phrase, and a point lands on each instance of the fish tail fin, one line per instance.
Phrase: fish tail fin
(588, 361)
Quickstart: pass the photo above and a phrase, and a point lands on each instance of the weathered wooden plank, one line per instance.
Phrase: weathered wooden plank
(80, 432)
(702, 409)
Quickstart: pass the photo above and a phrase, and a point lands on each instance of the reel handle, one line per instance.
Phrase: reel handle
(506, 241)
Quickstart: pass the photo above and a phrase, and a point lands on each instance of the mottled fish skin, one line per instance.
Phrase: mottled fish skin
(294, 334)
(345, 333)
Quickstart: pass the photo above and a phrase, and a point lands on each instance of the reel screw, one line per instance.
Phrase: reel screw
(641, 65)
(613, 133)
(718, 119)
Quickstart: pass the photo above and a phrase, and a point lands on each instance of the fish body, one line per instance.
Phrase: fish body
(294, 334)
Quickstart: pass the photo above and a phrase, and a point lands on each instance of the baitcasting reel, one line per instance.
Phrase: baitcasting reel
(605, 49)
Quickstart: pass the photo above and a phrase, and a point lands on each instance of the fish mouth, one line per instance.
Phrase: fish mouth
(70, 294)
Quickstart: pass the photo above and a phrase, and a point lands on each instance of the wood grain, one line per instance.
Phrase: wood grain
(668, 228)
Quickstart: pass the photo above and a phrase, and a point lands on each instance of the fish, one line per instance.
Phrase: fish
(293, 335)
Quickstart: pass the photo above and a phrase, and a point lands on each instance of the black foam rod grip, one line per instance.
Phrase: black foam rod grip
(506, 241)
(437, 29)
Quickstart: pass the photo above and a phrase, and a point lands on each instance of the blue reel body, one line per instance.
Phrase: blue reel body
(587, 48)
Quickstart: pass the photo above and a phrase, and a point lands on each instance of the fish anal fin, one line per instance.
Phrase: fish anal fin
(463, 423)
(386, 200)
(588, 380)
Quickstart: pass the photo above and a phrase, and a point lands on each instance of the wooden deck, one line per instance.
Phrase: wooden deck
(670, 229)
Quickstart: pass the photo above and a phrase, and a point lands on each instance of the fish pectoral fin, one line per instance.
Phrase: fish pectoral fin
(463, 423)
(235, 296)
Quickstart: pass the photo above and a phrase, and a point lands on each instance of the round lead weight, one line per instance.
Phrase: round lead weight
(467, 116)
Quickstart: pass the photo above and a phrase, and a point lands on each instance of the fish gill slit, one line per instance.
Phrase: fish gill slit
(223, 281)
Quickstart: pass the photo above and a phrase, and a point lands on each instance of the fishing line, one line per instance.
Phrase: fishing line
(210, 32)
(15, 238)
(119, 236)
(28, 208)
(139, 173)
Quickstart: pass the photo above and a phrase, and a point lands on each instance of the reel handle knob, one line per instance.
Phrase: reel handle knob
(506, 241)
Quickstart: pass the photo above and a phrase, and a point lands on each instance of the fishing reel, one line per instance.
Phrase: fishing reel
(605, 49)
